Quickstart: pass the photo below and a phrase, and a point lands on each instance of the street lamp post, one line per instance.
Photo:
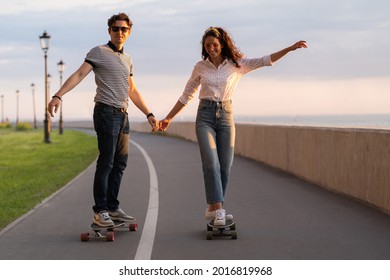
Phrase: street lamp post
(48, 94)
(61, 68)
(34, 111)
(17, 107)
(45, 39)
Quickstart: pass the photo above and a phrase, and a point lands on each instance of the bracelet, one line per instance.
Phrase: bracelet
(56, 96)
(149, 115)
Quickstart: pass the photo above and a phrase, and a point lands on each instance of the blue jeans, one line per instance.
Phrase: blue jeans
(215, 131)
(112, 129)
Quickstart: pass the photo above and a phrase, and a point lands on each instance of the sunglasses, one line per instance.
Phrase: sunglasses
(121, 28)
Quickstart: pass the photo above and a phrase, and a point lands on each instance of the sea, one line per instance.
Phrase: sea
(375, 121)
(371, 121)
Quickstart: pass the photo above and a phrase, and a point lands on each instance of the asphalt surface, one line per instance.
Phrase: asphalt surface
(278, 216)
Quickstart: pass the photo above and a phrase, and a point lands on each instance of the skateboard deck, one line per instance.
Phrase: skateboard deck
(109, 231)
(227, 230)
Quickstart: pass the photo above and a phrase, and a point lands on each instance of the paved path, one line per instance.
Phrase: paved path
(279, 216)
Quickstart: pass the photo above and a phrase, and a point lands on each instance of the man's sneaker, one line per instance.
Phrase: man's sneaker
(220, 219)
(210, 215)
(119, 216)
(102, 219)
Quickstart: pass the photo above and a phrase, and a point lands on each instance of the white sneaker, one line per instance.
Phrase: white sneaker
(102, 219)
(210, 215)
(119, 216)
(220, 219)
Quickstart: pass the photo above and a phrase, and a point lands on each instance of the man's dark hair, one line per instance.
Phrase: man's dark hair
(120, 16)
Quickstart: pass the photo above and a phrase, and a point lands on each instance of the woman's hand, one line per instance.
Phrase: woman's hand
(298, 45)
(164, 124)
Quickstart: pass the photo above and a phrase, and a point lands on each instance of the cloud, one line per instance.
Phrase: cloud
(347, 40)
(6, 48)
(5, 61)
(18, 7)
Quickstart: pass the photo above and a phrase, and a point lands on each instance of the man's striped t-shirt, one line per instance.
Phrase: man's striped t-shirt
(112, 70)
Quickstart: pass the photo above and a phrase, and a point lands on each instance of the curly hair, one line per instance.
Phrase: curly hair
(229, 50)
(120, 16)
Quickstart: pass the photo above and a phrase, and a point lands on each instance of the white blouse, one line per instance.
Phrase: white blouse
(218, 84)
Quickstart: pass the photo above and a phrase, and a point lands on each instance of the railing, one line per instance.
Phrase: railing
(353, 162)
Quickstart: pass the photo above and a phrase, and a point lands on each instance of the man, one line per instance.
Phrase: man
(113, 70)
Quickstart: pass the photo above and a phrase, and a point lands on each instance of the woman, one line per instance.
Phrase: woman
(218, 74)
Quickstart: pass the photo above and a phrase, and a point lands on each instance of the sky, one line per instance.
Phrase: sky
(344, 70)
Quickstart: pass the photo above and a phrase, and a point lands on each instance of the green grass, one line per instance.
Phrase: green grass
(31, 170)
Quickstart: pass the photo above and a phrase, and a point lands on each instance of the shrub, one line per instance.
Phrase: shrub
(23, 126)
(5, 125)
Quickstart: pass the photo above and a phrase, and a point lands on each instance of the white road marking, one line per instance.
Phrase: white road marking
(145, 246)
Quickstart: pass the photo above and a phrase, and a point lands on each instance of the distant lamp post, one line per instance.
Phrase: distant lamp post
(61, 68)
(34, 110)
(48, 94)
(17, 107)
(2, 108)
(45, 39)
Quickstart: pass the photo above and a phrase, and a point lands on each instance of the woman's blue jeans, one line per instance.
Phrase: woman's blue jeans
(215, 131)
(112, 129)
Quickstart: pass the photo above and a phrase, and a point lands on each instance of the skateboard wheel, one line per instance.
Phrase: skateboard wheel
(233, 227)
(110, 236)
(209, 228)
(84, 236)
(209, 235)
(133, 227)
(234, 234)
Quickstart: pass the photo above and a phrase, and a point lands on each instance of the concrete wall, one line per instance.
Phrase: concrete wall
(354, 162)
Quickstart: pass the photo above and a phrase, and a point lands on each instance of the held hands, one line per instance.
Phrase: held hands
(159, 125)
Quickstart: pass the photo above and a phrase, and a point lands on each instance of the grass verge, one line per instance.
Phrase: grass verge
(31, 170)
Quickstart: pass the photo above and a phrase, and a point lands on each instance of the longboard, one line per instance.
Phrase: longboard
(227, 230)
(109, 231)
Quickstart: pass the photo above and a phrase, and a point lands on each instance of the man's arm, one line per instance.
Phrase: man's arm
(69, 84)
(137, 99)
